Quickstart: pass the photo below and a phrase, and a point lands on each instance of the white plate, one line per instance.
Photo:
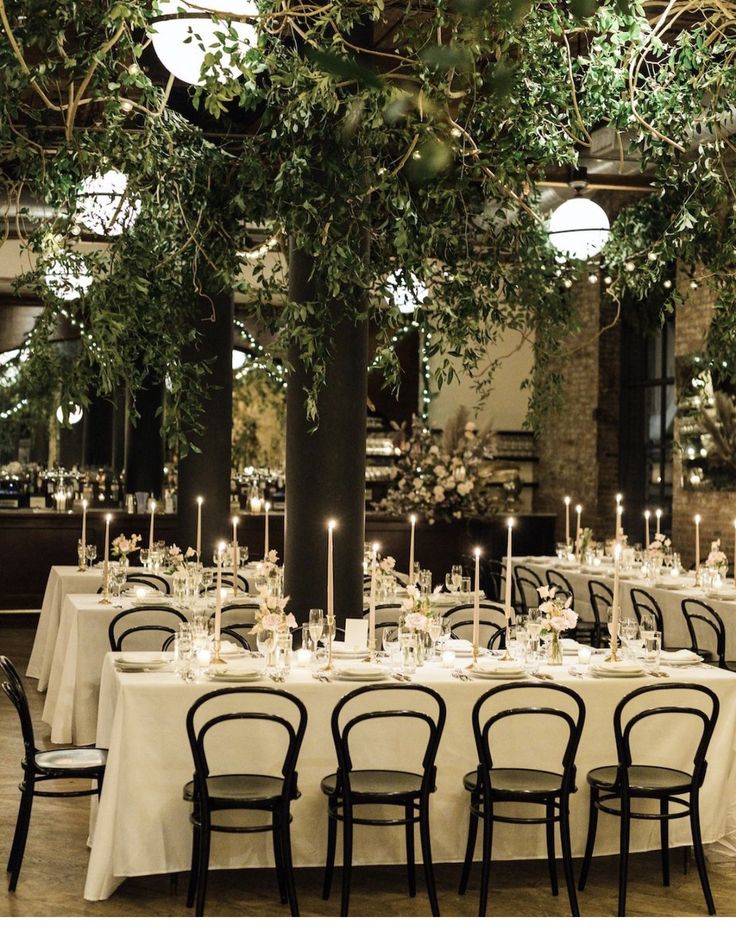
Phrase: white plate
(674, 583)
(355, 676)
(664, 661)
(141, 661)
(722, 594)
(235, 675)
(617, 673)
(340, 649)
(503, 672)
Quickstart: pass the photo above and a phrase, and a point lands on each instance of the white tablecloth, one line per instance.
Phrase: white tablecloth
(669, 600)
(142, 825)
(63, 581)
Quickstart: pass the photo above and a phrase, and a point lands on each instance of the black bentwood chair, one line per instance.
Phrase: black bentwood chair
(626, 781)
(490, 785)
(409, 792)
(527, 582)
(154, 582)
(260, 792)
(70, 763)
(705, 625)
(601, 599)
(160, 620)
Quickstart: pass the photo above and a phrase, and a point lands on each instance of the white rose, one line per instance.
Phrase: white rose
(417, 482)
(440, 471)
(434, 450)
(450, 484)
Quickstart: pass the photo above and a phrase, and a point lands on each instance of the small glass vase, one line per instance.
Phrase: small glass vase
(554, 649)
(123, 561)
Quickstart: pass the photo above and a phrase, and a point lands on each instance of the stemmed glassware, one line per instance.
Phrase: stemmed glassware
(435, 632)
(91, 553)
(454, 579)
(315, 626)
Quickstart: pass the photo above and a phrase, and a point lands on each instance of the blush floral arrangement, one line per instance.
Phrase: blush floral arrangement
(557, 616)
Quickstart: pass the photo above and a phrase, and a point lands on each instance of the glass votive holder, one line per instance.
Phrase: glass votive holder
(303, 656)
(140, 591)
(584, 655)
(448, 659)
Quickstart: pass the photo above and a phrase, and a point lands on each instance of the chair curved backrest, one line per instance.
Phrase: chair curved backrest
(562, 584)
(226, 581)
(489, 611)
(527, 582)
(161, 620)
(547, 704)
(490, 634)
(235, 633)
(495, 580)
(386, 613)
(624, 723)
(294, 727)
(601, 599)
(644, 603)
(148, 578)
(704, 622)
(237, 613)
(13, 689)
(434, 723)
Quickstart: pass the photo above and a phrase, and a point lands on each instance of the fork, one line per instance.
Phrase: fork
(459, 674)
(401, 677)
(543, 676)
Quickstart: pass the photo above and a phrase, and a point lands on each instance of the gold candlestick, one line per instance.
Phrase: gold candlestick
(82, 556)
(372, 650)
(216, 658)
(105, 583)
(506, 654)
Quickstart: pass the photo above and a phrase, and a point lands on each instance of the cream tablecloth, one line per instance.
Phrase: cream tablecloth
(142, 824)
(63, 581)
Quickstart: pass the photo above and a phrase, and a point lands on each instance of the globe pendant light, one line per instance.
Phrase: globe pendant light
(239, 358)
(68, 277)
(407, 292)
(75, 414)
(579, 228)
(184, 35)
(103, 206)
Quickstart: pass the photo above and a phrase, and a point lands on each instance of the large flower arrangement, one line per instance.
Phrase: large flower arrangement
(717, 559)
(445, 481)
(271, 614)
(557, 615)
(415, 610)
(122, 544)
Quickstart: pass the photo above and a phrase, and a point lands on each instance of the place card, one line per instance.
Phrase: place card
(356, 634)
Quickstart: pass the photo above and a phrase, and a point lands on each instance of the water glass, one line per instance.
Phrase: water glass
(282, 650)
(409, 654)
(425, 581)
(465, 586)
(434, 630)
(145, 557)
(184, 655)
(265, 641)
(652, 647)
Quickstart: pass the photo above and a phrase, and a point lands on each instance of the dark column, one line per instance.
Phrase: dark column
(144, 444)
(207, 474)
(325, 467)
(97, 427)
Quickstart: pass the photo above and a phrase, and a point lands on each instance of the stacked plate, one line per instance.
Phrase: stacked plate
(497, 669)
(362, 672)
(140, 664)
(347, 652)
(619, 668)
(679, 658)
(235, 674)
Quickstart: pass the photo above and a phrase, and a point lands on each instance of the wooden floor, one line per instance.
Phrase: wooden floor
(52, 878)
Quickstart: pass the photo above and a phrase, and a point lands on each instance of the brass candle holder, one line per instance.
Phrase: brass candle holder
(216, 658)
(82, 558)
(506, 655)
(698, 578)
(105, 583)
(614, 648)
(372, 649)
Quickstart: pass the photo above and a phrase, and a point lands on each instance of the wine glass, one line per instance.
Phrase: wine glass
(315, 626)
(435, 632)
(265, 641)
(243, 555)
(457, 576)
(450, 583)
(91, 553)
(647, 623)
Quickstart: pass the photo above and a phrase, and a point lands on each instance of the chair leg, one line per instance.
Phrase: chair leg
(485, 868)
(288, 861)
(278, 855)
(664, 834)
(590, 841)
(20, 838)
(427, 857)
(623, 867)
(331, 846)
(551, 861)
(470, 848)
(203, 865)
(411, 867)
(193, 873)
(698, 852)
(567, 855)
(347, 858)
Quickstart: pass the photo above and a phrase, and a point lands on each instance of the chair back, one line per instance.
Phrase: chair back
(562, 584)
(292, 721)
(237, 614)
(153, 581)
(235, 633)
(388, 613)
(493, 582)
(527, 582)
(389, 630)
(644, 603)
(368, 709)
(550, 704)
(705, 626)
(601, 599)
(489, 611)
(490, 635)
(226, 581)
(13, 689)
(624, 722)
(159, 623)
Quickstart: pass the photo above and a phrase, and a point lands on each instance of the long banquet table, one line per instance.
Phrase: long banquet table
(668, 598)
(142, 827)
(63, 581)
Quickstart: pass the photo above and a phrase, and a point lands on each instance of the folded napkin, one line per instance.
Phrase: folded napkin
(227, 646)
(459, 646)
(569, 645)
(679, 655)
(509, 667)
(362, 669)
(618, 666)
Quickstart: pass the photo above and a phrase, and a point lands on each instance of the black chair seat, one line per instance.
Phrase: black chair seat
(643, 778)
(378, 784)
(241, 788)
(71, 759)
(517, 781)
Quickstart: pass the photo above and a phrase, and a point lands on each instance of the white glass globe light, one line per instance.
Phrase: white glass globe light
(74, 415)
(68, 279)
(103, 207)
(579, 228)
(406, 298)
(184, 58)
(238, 358)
